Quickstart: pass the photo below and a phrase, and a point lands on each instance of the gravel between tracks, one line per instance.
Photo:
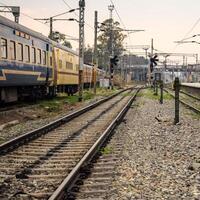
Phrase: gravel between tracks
(159, 160)
(29, 125)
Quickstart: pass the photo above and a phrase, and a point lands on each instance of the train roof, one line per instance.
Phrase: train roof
(19, 27)
(9, 23)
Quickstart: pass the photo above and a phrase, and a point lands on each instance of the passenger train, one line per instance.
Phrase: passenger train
(33, 65)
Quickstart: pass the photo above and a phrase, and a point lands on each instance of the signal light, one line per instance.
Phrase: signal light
(114, 60)
(153, 62)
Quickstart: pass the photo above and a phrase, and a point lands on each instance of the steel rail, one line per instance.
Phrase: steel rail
(16, 142)
(196, 110)
(190, 95)
(67, 184)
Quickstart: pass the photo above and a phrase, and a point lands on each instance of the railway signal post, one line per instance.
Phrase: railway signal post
(113, 62)
(81, 47)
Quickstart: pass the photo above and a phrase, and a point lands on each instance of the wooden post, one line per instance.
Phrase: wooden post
(161, 92)
(177, 89)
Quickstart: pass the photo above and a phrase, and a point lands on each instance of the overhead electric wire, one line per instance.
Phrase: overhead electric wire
(111, 1)
(77, 14)
(26, 15)
(30, 17)
(193, 27)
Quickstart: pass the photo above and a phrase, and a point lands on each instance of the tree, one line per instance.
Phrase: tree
(60, 38)
(88, 55)
(104, 42)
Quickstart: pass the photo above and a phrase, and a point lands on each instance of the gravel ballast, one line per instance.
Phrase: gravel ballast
(159, 160)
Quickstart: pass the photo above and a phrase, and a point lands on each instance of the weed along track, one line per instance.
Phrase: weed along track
(37, 167)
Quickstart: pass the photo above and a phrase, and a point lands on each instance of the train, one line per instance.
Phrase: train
(32, 65)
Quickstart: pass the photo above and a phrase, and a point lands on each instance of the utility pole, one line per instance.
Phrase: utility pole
(51, 28)
(15, 10)
(197, 58)
(50, 20)
(152, 47)
(95, 61)
(110, 47)
(81, 46)
(111, 8)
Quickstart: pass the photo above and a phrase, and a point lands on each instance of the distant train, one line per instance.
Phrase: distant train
(33, 65)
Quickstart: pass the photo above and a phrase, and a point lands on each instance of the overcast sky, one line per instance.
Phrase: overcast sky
(164, 20)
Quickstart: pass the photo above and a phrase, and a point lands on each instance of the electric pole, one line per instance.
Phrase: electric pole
(81, 46)
(50, 20)
(95, 61)
(152, 47)
(15, 10)
(110, 47)
(51, 28)
(111, 8)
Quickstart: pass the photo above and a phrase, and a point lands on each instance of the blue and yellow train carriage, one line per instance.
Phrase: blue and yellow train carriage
(26, 63)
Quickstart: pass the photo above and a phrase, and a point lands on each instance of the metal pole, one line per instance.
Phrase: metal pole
(165, 63)
(126, 67)
(110, 47)
(149, 62)
(15, 10)
(177, 89)
(51, 28)
(197, 58)
(95, 49)
(152, 47)
(81, 47)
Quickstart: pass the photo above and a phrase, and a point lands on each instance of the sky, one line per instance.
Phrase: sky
(165, 21)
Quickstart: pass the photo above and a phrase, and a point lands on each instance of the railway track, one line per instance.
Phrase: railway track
(34, 165)
(95, 179)
(188, 100)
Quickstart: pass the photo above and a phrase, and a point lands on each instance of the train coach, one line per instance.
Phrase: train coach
(33, 65)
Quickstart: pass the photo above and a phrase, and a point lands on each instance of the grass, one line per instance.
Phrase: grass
(127, 94)
(193, 115)
(106, 150)
(56, 104)
(149, 93)
(2, 140)
(105, 92)
(52, 105)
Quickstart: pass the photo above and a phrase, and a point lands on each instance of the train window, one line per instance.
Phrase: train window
(44, 57)
(33, 55)
(39, 56)
(69, 65)
(27, 37)
(60, 64)
(17, 33)
(4, 52)
(12, 50)
(20, 52)
(27, 54)
(22, 34)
